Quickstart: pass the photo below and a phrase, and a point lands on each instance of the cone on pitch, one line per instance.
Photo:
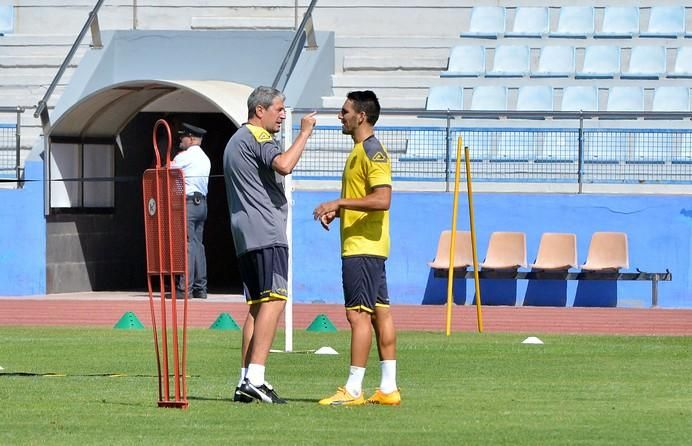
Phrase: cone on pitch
(129, 321)
(532, 340)
(321, 324)
(224, 322)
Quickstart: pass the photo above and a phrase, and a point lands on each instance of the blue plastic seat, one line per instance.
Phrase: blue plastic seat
(515, 146)
(575, 22)
(465, 61)
(535, 98)
(620, 22)
(646, 62)
(603, 147)
(489, 97)
(6, 19)
(649, 147)
(671, 99)
(486, 22)
(510, 61)
(600, 62)
(666, 21)
(579, 98)
(625, 98)
(426, 145)
(559, 146)
(530, 21)
(555, 61)
(683, 63)
(445, 97)
(682, 148)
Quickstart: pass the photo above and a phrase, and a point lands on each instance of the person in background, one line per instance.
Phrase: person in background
(196, 166)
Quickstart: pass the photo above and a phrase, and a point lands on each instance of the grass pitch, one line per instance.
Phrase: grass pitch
(67, 386)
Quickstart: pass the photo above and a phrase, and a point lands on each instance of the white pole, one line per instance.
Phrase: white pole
(288, 312)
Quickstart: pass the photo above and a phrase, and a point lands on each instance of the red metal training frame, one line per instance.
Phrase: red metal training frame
(166, 245)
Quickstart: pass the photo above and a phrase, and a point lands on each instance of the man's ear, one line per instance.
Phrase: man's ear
(259, 111)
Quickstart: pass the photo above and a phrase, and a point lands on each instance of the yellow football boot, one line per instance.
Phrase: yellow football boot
(342, 398)
(385, 399)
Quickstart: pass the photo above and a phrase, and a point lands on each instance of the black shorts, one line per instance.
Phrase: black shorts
(265, 274)
(365, 282)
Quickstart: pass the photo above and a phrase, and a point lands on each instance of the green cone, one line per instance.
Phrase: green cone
(321, 324)
(224, 322)
(129, 321)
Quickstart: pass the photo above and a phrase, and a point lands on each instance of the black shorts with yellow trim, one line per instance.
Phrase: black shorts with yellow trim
(265, 274)
(364, 280)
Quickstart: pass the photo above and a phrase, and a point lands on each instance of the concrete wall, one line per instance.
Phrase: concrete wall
(659, 230)
(23, 236)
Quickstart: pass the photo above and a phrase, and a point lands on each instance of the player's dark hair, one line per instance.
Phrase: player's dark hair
(263, 96)
(366, 101)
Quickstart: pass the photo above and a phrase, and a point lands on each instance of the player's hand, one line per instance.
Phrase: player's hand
(326, 219)
(326, 208)
(307, 122)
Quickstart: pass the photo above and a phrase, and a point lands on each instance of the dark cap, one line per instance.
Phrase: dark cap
(188, 129)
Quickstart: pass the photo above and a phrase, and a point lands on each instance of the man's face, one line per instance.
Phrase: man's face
(272, 116)
(350, 118)
(185, 141)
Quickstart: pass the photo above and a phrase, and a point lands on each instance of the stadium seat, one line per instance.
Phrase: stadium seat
(600, 62)
(556, 252)
(426, 145)
(486, 22)
(605, 147)
(515, 146)
(480, 143)
(445, 97)
(671, 99)
(555, 61)
(465, 61)
(608, 252)
(506, 251)
(646, 62)
(683, 63)
(575, 22)
(535, 98)
(625, 98)
(489, 97)
(579, 98)
(463, 251)
(619, 22)
(510, 61)
(649, 147)
(666, 21)
(682, 148)
(6, 19)
(530, 21)
(560, 146)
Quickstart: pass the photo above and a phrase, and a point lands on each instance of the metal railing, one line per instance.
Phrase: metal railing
(92, 23)
(305, 32)
(10, 146)
(578, 148)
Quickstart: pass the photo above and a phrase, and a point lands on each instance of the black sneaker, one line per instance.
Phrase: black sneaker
(199, 294)
(240, 397)
(262, 394)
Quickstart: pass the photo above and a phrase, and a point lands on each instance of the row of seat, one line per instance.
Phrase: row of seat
(600, 62)
(555, 146)
(577, 22)
(574, 98)
(608, 252)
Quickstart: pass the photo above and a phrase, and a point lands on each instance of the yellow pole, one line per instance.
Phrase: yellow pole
(450, 273)
(476, 281)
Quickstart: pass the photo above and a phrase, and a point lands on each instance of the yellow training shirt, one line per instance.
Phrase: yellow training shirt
(365, 233)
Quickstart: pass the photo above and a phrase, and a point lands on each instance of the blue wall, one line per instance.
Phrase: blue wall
(659, 229)
(23, 236)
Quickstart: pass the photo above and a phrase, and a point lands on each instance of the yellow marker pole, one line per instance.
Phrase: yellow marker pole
(450, 274)
(479, 312)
